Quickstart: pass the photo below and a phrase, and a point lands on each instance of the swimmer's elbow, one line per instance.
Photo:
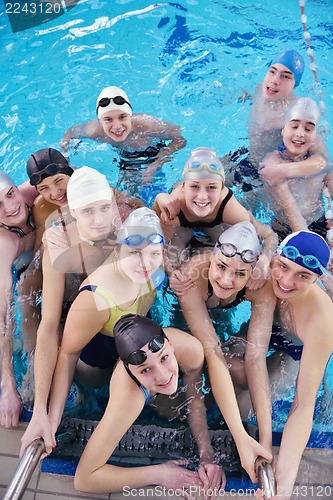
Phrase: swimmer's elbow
(82, 482)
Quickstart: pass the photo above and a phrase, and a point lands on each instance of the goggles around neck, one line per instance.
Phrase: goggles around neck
(309, 261)
(118, 100)
(196, 166)
(230, 250)
(138, 357)
(136, 240)
(51, 169)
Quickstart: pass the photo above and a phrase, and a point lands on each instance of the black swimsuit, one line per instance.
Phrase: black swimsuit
(218, 219)
(240, 297)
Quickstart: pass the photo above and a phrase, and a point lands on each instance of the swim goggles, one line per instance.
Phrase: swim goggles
(51, 169)
(135, 240)
(309, 261)
(118, 100)
(140, 356)
(229, 250)
(196, 166)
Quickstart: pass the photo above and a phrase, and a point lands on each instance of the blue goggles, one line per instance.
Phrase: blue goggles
(309, 261)
(136, 240)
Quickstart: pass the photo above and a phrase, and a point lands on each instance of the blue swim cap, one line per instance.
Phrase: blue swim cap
(293, 61)
(307, 249)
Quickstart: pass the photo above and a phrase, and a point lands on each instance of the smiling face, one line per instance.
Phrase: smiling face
(202, 196)
(53, 189)
(228, 275)
(159, 373)
(13, 209)
(116, 124)
(94, 221)
(278, 83)
(140, 263)
(289, 278)
(299, 136)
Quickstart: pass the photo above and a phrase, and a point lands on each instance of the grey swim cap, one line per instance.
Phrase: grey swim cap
(5, 181)
(203, 163)
(108, 96)
(85, 186)
(305, 108)
(241, 241)
(142, 222)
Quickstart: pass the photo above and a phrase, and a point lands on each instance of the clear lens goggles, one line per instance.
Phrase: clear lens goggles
(229, 250)
(118, 99)
(140, 356)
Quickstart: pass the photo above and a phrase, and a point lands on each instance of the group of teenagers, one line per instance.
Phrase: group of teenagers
(99, 254)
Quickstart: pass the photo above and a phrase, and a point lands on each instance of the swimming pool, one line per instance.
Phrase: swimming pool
(187, 62)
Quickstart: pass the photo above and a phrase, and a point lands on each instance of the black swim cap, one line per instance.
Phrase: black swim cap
(46, 162)
(131, 332)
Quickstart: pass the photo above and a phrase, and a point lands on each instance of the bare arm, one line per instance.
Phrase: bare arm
(199, 322)
(46, 354)
(298, 427)
(91, 130)
(10, 403)
(269, 242)
(258, 335)
(290, 207)
(86, 317)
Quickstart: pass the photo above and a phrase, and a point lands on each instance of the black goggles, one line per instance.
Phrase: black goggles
(229, 250)
(118, 99)
(140, 356)
(51, 169)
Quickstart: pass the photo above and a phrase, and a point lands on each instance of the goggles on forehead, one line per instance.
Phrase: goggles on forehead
(229, 250)
(196, 166)
(105, 101)
(138, 357)
(309, 261)
(51, 169)
(135, 240)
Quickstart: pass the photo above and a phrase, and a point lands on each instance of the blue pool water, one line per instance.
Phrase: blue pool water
(188, 63)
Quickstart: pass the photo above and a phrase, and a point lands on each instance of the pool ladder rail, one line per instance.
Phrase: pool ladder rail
(266, 478)
(24, 470)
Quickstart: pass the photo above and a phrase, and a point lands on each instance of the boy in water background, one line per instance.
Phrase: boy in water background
(141, 139)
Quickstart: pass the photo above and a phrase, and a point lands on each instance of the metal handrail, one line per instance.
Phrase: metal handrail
(24, 470)
(266, 479)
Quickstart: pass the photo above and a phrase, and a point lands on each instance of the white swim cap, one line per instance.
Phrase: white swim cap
(112, 98)
(141, 224)
(5, 181)
(304, 109)
(85, 186)
(203, 163)
(239, 240)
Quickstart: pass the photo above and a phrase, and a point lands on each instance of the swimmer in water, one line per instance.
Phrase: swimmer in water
(151, 361)
(203, 203)
(17, 237)
(140, 138)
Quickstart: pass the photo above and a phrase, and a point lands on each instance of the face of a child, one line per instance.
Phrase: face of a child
(298, 136)
(53, 189)
(140, 263)
(159, 373)
(202, 196)
(228, 275)
(278, 83)
(13, 209)
(94, 221)
(117, 125)
(289, 278)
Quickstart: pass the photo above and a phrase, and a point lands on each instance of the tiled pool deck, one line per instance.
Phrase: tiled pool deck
(315, 476)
